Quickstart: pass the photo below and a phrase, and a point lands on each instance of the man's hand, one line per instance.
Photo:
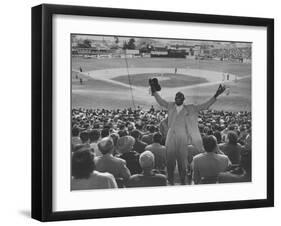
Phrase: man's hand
(154, 85)
(220, 90)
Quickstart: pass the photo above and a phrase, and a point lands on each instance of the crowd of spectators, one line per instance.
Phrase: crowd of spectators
(126, 148)
(233, 53)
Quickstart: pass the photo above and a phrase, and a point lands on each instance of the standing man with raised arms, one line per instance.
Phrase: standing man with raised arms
(183, 128)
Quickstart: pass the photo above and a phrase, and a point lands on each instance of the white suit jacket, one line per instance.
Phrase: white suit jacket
(191, 119)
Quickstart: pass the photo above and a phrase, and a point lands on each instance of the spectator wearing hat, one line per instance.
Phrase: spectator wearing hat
(231, 148)
(148, 177)
(207, 166)
(94, 136)
(139, 145)
(159, 152)
(84, 175)
(109, 163)
(125, 148)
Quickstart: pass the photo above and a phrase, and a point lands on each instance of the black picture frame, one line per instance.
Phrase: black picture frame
(42, 108)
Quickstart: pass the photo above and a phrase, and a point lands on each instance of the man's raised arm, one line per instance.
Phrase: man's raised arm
(154, 87)
(212, 100)
(160, 100)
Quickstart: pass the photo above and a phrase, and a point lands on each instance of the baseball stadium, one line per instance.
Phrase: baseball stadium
(191, 125)
(117, 81)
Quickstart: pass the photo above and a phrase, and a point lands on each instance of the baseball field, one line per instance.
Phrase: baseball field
(119, 83)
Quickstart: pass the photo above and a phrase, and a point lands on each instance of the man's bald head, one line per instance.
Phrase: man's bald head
(179, 98)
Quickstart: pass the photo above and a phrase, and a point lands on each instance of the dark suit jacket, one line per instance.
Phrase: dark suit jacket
(139, 146)
(132, 160)
(148, 138)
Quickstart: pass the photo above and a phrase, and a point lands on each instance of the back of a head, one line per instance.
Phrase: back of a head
(82, 164)
(151, 128)
(106, 145)
(157, 138)
(84, 136)
(75, 132)
(146, 160)
(105, 132)
(135, 134)
(94, 135)
(122, 133)
(209, 143)
(125, 144)
(232, 137)
(217, 134)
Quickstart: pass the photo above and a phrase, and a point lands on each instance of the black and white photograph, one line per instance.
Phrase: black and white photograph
(153, 111)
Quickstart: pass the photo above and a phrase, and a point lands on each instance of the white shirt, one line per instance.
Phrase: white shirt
(179, 108)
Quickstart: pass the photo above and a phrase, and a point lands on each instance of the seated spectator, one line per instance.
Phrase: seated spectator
(242, 173)
(159, 152)
(206, 166)
(94, 136)
(217, 134)
(148, 177)
(125, 148)
(231, 148)
(131, 127)
(108, 163)
(79, 147)
(104, 132)
(139, 145)
(84, 136)
(122, 133)
(148, 138)
(75, 139)
(84, 175)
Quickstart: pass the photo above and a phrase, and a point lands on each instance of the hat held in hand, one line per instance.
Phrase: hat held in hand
(154, 85)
